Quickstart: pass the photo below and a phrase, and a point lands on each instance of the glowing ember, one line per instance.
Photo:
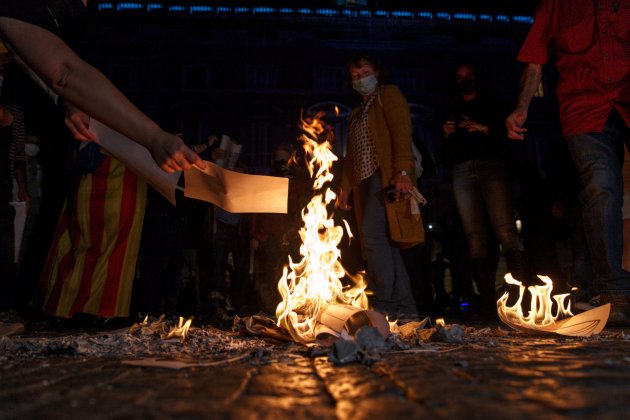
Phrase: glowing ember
(310, 285)
(540, 308)
(181, 330)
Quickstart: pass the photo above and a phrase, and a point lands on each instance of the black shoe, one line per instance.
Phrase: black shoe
(619, 309)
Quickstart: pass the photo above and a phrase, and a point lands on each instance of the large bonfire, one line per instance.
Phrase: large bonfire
(307, 287)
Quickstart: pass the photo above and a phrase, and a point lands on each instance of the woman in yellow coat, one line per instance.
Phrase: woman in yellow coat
(379, 155)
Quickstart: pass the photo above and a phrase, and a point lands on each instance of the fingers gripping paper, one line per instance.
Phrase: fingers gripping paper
(232, 191)
(236, 192)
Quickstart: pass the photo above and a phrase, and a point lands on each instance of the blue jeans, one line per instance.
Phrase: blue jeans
(483, 192)
(387, 275)
(598, 158)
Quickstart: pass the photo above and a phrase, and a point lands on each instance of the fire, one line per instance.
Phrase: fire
(181, 330)
(540, 308)
(310, 285)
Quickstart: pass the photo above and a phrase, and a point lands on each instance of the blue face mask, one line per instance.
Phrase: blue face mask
(366, 86)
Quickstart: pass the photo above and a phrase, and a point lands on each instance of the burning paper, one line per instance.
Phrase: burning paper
(540, 316)
(341, 321)
(311, 289)
(180, 330)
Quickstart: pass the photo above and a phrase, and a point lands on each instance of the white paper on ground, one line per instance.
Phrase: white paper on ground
(237, 192)
(137, 158)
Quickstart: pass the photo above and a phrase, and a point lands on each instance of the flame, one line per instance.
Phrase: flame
(307, 287)
(181, 330)
(440, 322)
(540, 308)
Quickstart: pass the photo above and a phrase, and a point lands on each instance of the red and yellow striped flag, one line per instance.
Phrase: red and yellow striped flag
(91, 263)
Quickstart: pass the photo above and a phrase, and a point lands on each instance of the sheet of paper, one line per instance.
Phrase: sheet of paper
(236, 192)
(137, 158)
(581, 325)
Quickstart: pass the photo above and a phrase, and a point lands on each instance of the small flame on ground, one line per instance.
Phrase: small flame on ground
(180, 330)
(308, 286)
(540, 308)
(440, 322)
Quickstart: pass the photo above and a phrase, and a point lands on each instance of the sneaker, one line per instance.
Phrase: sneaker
(619, 309)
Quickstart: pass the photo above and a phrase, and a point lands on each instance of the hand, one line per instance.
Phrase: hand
(79, 124)
(472, 126)
(342, 200)
(171, 154)
(448, 128)
(402, 184)
(515, 122)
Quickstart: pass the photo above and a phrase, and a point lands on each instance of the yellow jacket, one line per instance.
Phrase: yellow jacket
(390, 124)
(389, 121)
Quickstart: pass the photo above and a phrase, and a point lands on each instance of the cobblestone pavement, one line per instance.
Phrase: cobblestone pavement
(492, 373)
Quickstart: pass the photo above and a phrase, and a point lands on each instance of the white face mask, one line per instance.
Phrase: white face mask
(365, 86)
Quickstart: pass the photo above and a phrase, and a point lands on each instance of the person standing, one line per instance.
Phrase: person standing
(475, 140)
(379, 156)
(590, 39)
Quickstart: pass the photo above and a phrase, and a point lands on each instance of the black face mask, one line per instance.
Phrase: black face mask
(467, 85)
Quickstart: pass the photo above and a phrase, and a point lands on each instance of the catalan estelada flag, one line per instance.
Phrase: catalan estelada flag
(91, 263)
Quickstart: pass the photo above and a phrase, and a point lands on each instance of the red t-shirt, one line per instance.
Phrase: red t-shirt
(592, 44)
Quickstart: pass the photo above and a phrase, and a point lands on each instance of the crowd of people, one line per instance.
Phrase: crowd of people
(122, 251)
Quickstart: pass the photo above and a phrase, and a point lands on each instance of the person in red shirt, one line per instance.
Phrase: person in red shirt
(591, 40)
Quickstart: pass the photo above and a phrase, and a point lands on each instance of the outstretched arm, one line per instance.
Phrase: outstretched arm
(530, 79)
(90, 91)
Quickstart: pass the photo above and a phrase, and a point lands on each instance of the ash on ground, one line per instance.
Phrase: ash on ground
(207, 344)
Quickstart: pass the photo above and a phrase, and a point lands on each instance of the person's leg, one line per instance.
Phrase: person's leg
(7, 278)
(381, 268)
(220, 246)
(471, 209)
(497, 195)
(472, 212)
(402, 293)
(598, 158)
(625, 259)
